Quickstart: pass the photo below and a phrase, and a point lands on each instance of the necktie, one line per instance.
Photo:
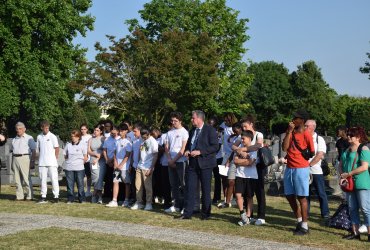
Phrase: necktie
(193, 146)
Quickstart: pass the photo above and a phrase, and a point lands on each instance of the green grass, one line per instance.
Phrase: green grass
(279, 217)
(56, 238)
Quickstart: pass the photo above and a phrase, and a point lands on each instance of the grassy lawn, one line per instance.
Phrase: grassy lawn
(279, 228)
(56, 238)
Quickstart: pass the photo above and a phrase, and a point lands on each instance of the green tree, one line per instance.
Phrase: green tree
(314, 94)
(270, 93)
(366, 69)
(37, 57)
(222, 24)
(358, 113)
(146, 79)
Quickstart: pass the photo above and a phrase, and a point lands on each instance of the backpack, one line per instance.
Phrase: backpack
(341, 218)
(324, 164)
(265, 156)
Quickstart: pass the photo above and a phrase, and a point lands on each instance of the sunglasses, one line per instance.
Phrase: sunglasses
(351, 135)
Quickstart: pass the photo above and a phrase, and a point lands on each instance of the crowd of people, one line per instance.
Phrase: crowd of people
(134, 166)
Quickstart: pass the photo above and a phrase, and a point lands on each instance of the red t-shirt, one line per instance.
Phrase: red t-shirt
(294, 156)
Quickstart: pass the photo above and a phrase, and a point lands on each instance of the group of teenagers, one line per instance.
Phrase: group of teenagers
(139, 165)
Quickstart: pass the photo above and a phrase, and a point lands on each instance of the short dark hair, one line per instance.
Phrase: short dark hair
(249, 119)
(138, 126)
(44, 123)
(128, 122)
(144, 131)
(247, 133)
(123, 126)
(177, 115)
(100, 127)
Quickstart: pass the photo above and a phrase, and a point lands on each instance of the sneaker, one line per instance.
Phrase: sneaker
(259, 222)
(363, 229)
(100, 200)
(137, 206)
(223, 205)
(172, 209)
(252, 220)
(156, 200)
(56, 200)
(302, 231)
(88, 194)
(126, 203)
(298, 227)
(148, 207)
(244, 222)
(94, 199)
(112, 204)
(42, 201)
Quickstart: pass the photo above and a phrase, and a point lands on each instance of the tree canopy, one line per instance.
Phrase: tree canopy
(37, 57)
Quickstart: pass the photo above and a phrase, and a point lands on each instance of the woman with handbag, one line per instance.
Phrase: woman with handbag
(355, 180)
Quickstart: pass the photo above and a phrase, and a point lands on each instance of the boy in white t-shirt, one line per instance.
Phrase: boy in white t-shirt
(121, 166)
(144, 171)
(246, 178)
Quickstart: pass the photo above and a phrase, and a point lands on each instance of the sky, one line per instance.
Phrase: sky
(333, 33)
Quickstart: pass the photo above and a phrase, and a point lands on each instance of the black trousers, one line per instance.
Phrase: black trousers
(217, 183)
(260, 193)
(165, 186)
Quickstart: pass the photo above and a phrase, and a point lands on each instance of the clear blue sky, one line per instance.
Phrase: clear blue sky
(333, 33)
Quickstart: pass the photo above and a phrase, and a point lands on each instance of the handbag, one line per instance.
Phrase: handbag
(306, 153)
(347, 185)
(265, 157)
(325, 167)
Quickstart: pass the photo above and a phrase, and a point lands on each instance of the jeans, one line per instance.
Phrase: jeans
(356, 200)
(72, 178)
(177, 181)
(318, 183)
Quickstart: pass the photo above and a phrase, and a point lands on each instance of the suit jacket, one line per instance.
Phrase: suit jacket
(207, 145)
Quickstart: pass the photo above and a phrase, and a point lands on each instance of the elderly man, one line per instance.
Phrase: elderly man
(24, 152)
(318, 181)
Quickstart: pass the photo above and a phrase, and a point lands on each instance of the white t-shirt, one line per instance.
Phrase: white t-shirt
(258, 135)
(226, 145)
(110, 145)
(136, 151)
(319, 147)
(175, 138)
(248, 171)
(147, 150)
(75, 153)
(85, 141)
(46, 145)
(123, 145)
(162, 142)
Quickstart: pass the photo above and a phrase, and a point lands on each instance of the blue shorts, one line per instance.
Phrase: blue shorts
(297, 181)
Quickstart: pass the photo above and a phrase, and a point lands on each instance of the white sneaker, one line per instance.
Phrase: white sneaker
(363, 229)
(137, 206)
(156, 200)
(88, 194)
(172, 209)
(112, 204)
(148, 207)
(260, 222)
(223, 205)
(126, 203)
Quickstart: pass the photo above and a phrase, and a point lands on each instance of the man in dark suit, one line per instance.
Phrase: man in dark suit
(201, 149)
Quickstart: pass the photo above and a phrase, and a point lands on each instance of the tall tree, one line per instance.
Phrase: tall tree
(366, 69)
(146, 79)
(358, 113)
(37, 56)
(270, 94)
(222, 24)
(314, 94)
